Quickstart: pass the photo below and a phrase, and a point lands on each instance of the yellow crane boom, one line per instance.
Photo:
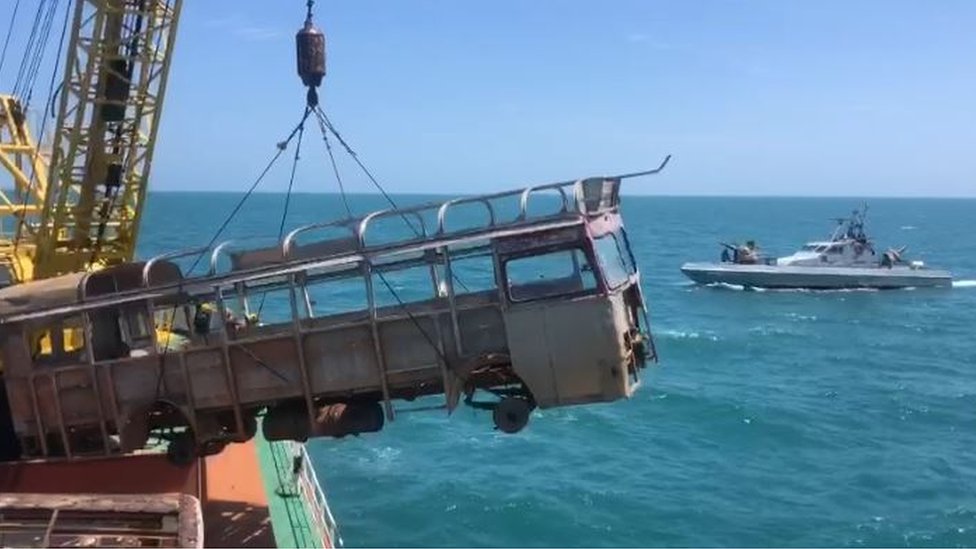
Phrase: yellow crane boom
(79, 206)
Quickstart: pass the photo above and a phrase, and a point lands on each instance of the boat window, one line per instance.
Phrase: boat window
(835, 249)
(809, 248)
(613, 260)
(557, 273)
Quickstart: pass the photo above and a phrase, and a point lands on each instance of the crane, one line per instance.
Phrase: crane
(78, 205)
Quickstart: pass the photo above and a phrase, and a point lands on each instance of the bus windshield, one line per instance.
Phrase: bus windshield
(614, 260)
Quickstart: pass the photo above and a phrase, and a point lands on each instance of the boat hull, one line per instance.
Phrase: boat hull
(815, 278)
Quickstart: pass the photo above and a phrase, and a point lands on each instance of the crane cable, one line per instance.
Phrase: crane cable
(335, 168)
(327, 127)
(281, 146)
(29, 47)
(327, 124)
(48, 107)
(291, 178)
(42, 49)
(291, 184)
(34, 54)
(10, 31)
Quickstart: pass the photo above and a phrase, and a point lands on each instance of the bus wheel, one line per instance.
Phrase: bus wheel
(511, 414)
(182, 449)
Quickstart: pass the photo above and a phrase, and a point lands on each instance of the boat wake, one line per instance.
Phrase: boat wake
(739, 288)
(734, 287)
(964, 283)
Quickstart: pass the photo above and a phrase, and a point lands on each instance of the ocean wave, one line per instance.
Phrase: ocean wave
(796, 317)
(766, 330)
(381, 458)
(964, 283)
(678, 334)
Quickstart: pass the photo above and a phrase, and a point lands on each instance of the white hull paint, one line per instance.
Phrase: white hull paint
(815, 278)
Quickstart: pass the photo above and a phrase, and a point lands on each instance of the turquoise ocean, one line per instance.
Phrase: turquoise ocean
(777, 418)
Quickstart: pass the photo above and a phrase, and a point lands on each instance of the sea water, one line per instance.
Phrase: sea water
(780, 418)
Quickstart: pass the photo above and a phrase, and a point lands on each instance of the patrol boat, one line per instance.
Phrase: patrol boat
(847, 260)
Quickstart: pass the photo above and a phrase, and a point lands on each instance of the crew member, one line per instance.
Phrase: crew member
(202, 318)
(888, 259)
(747, 254)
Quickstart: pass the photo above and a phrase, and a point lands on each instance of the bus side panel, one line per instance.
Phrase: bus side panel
(342, 360)
(482, 331)
(267, 370)
(208, 378)
(16, 371)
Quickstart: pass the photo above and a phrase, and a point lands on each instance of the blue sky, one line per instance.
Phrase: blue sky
(861, 98)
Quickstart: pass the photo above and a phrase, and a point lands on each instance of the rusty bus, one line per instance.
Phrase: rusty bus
(524, 310)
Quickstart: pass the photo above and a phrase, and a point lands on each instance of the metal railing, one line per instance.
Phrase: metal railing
(310, 490)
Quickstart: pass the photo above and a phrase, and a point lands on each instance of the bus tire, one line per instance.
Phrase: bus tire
(182, 449)
(511, 414)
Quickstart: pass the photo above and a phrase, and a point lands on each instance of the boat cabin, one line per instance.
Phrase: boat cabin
(844, 251)
(537, 305)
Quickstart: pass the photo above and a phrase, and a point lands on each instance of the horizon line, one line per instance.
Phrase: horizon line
(656, 195)
(659, 195)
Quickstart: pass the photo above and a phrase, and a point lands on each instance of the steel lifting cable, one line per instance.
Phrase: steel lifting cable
(29, 48)
(48, 107)
(335, 168)
(326, 126)
(10, 31)
(291, 178)
(41, 49)
(412, 318)
(291, 184)
(34, 53)
(282, 146)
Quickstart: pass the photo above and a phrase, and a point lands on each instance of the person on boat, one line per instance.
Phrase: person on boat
(889, 258)
(748, 254)
(233, 323)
